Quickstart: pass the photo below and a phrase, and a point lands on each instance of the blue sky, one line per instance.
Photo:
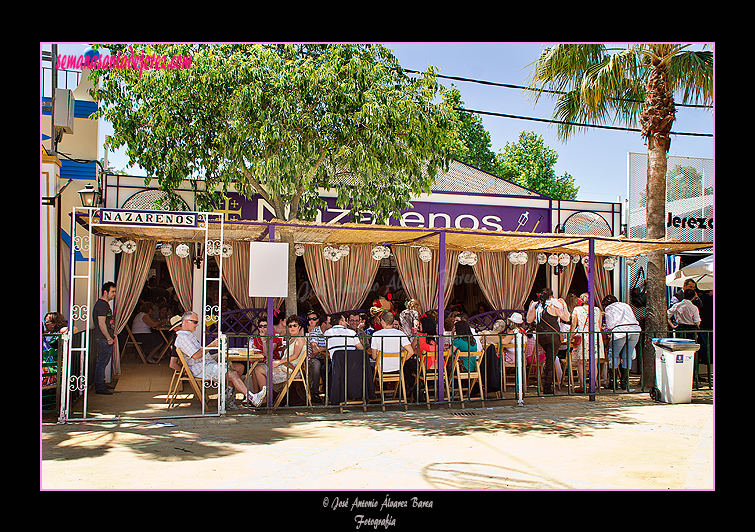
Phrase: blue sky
(597, 159)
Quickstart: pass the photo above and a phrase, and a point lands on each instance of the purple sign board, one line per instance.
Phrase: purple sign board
(423, 214)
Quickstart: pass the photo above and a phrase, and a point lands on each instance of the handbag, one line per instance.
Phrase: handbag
(639, 295)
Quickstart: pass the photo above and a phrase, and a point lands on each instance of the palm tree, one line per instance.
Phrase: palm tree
(595, 84)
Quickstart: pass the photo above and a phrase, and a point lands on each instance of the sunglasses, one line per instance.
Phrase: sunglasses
(294, 325)
(312, 318)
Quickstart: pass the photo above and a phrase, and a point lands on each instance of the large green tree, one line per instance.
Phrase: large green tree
(529, 162)
(596, 84)
(281, 121)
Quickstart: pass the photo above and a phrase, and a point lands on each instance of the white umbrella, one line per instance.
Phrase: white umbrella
(701, 272)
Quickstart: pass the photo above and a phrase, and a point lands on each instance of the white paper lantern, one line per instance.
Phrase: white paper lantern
(575, 259)
(182, 250)
(542, 258)
(380, 252)
(425, 254)
(227, 250)
(116, 246)
(331, 253)
(609, 263)
(467, 258)
(523, 257)
(166, 249)
(553, 260)
(564, 259)
(343, 250)
(129, 246)
(299, 250)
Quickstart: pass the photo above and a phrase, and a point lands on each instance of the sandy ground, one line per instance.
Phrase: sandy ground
(618, 442)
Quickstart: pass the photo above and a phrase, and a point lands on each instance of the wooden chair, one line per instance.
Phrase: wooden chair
(431, 375)
(185, 375)
(505, 366)
(382, 378)
(130, 340)
(474, 376)
(298, 374)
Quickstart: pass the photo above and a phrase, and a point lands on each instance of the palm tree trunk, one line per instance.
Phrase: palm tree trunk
(655, 311)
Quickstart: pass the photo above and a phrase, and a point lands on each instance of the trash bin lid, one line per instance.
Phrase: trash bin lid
(676, 344)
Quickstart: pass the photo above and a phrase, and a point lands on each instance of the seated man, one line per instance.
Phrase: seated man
(389, 340)
(346, 355)
(195, 353)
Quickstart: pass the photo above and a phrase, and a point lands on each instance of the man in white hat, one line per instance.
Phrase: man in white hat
(515, 324)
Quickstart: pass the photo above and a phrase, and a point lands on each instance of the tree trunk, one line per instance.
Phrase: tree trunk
(291, 297)
(655, 311)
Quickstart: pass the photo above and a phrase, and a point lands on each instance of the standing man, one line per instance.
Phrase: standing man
(104, 336)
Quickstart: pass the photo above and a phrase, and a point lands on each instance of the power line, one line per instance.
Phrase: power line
(573, 123)
(509, 86)
(549, 121)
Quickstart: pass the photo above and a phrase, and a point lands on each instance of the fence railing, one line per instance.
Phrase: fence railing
(347, 376)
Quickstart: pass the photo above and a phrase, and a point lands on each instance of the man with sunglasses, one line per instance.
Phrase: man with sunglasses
(202, 363)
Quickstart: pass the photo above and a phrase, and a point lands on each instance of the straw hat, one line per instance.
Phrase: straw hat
(516, 318)
(175, 321)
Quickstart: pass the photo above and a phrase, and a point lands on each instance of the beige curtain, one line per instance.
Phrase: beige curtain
(420, 279)
(602, 280)
(505, 285)
(236, 278)
(567, 274)
(182, 278)
(343, 284)
(132, 275)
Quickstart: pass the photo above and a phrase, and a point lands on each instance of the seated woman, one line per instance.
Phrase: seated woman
(426, 328)
(464, 342)
(283, 366)
(142, 329)
(297, 347)
(514, 324)
(257, 378)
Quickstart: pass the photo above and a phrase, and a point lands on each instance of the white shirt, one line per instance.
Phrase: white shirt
(389, 341)
(685, 312)
(139, 326)
(339, 338)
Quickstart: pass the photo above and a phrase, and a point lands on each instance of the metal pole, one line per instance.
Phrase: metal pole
(591, 316)
(441, 313)
(271, 238)
(519, 367)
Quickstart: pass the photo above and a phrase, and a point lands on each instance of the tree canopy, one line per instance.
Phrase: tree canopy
(529, 162)
(281, 121)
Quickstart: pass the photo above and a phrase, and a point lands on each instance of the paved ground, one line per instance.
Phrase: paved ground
(622, 442)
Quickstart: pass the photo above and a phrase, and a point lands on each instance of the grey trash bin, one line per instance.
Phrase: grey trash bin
(674, 364)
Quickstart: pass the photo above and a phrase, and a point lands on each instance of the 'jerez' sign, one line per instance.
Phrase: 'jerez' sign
(153, 218)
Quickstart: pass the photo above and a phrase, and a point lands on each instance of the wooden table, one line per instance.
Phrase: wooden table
(242, 354)
(163, 329)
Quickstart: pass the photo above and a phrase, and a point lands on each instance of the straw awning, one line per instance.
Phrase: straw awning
(475, 240)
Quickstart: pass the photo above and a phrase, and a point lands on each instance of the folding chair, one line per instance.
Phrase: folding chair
(298, 374)
(505, 366)
(472, 377)
(381, 378)
(431, 375)
(185, 375)
(130, 340)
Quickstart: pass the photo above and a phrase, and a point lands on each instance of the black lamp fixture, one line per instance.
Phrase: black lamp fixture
(90, 196)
